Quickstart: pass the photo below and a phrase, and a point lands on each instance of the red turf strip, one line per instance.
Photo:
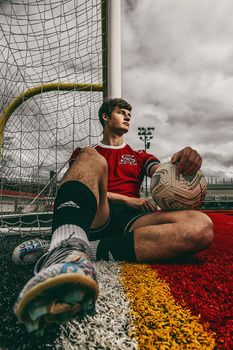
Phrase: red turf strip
(205, 284)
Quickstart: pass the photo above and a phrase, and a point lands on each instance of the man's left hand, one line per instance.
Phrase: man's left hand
(188, 161)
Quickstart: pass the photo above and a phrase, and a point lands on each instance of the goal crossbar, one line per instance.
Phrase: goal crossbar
(18, 100)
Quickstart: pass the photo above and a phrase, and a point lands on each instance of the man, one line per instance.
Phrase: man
(98, 201)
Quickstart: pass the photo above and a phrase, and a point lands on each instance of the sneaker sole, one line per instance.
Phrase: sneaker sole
(48, 286)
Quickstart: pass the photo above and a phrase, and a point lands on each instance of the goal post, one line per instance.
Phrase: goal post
(114, 48)
(54, 74)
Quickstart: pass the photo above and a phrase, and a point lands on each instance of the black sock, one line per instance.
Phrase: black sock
(75, 204)
(120, 247)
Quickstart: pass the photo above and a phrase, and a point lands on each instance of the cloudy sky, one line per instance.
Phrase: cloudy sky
(177, 58)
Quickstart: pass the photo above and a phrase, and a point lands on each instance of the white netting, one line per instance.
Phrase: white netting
(45, 42)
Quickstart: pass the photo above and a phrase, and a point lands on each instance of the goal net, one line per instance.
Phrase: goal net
(52, 76)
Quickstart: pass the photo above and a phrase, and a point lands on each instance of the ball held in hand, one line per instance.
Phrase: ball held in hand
(173, 191)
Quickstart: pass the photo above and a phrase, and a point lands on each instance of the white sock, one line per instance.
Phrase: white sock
(67, 231)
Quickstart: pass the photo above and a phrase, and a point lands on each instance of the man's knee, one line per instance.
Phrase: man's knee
(201, 234)
(92, 157)
(89, 167)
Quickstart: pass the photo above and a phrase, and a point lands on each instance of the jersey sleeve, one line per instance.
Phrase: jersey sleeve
(148, 160)
(74, 155)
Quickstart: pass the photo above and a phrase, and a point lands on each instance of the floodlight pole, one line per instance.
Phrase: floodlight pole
(145, 134)
(114, 48)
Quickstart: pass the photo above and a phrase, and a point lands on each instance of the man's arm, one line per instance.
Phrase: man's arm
(137, 203)
(188, 161)
(153, 169)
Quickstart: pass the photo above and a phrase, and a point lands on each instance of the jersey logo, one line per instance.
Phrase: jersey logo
(128, 159)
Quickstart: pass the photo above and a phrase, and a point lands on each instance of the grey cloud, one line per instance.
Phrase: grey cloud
(217, 173)
(202, 118)
(129, 5)
(226, 161)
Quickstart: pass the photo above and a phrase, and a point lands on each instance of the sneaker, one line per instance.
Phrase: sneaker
(30, 251)
(64, 287)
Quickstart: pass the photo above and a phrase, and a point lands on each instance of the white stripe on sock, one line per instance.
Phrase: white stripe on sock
(93, 246)
(66, 231)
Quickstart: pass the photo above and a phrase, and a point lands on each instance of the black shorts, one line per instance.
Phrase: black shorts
(119, 222)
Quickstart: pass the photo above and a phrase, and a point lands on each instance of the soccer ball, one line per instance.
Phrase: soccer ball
(173, 191)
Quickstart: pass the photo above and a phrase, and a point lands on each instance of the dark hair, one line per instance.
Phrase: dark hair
(109, 105)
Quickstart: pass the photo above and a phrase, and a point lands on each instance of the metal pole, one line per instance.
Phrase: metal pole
(146, 192)
(104, 29)
(145, 134)
(114, 48)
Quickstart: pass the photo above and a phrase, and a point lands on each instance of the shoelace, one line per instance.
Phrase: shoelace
(59, 253)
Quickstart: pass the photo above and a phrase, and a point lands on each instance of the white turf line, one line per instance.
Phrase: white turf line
(108, 329)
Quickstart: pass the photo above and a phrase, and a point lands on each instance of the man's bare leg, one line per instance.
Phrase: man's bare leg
(166, 235)
(91, 169)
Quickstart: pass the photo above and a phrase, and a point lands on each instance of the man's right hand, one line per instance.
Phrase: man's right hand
(140, 203)
(144, 205)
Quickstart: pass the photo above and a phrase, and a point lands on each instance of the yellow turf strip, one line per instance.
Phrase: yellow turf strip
(159, 321)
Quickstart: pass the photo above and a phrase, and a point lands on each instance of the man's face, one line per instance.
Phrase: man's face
(120, 120)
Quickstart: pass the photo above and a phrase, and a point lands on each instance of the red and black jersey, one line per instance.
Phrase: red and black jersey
(126, 167)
